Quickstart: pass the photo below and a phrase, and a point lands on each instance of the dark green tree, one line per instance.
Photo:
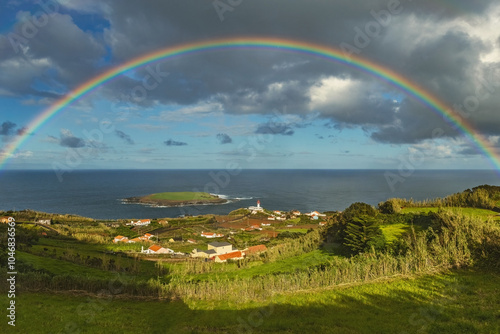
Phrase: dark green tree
(337, 230)
(362, 233)
(359, 209)
(389, 207)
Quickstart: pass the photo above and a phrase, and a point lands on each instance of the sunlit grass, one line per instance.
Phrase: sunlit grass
(394, 231)
(59, 267)
(457, 302)
(467, 211)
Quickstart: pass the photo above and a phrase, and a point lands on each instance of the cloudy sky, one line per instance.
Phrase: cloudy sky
(248, 107)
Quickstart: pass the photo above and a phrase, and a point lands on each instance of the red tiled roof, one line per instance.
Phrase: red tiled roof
(119, 237)
(155, 248)
(256, 249)
(231, 255)
(148, 235)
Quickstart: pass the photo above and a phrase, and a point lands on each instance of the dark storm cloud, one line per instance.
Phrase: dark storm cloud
(171, 142)
(68, 140)
(416, 43)
(272, 128)
(469, 150)
(7, 128)
(263, 81)
(60, 45)
(125, 137)
(224, 138)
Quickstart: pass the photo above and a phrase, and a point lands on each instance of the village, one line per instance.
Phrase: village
(238, 235)
(217, 243)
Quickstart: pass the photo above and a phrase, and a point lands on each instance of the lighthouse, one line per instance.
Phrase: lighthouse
(255, 209)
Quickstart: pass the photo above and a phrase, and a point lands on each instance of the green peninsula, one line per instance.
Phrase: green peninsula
(177, 199)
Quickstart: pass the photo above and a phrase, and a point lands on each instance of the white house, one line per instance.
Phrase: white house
(141, 222)
(156, 249)
(214, 249)
(265, 224)
(120, 238)
(134, 240)
(203, 253)
(315, 214)
(44, 221)
(210, 235)
(220, 247)
(237, 255)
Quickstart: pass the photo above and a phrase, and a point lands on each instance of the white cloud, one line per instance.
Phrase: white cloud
(16, 155)
(333, 91)
(92, 7)
(148, 127)
(190, 113)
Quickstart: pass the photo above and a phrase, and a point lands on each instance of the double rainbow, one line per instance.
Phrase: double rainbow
(404, 84)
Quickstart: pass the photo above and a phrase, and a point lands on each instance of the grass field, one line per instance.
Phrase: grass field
(467, 211)
(182, 196)
(40, 259)
(258, 268)
(394, 231)
(291, 229)
(59, 267)
(463, 301)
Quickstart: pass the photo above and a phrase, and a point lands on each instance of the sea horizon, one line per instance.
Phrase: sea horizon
(99, 193)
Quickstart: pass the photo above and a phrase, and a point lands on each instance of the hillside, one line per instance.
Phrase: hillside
(430, 265)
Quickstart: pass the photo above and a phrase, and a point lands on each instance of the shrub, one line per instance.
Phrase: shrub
(389, 207)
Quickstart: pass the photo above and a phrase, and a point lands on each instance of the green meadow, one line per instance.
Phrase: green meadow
(420, 269)
(459, 301)
(484, 213)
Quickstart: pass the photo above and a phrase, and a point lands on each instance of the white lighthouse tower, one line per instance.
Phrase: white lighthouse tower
(255, 209)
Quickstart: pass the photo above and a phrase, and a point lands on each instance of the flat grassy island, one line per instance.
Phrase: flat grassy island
(177, 199)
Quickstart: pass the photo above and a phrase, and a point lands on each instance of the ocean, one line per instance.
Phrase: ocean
(99, 193)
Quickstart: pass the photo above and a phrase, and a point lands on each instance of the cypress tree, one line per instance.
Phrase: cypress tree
(362, 233)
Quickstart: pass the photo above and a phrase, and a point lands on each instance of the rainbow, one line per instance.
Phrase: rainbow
(365, 65)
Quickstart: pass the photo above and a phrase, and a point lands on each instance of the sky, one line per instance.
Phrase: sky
(250, 108)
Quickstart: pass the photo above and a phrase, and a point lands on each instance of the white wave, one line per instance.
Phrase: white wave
(230, 198)
(221, 196)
